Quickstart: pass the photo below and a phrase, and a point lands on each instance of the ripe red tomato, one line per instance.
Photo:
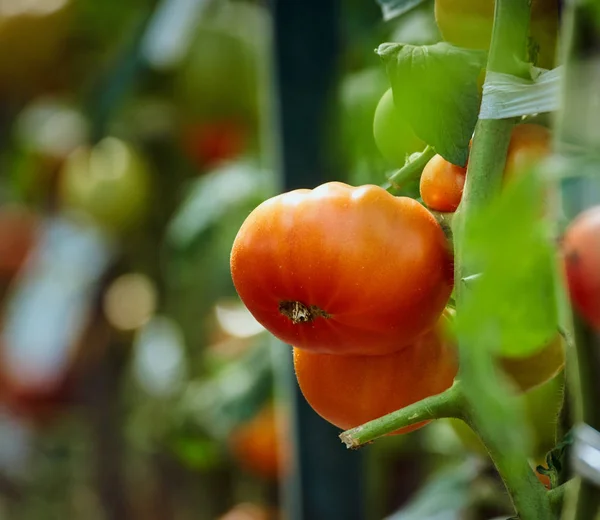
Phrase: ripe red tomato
(442, 184)
(343, 270)
(257, 444)
(211, 143)
(350, 390)
(581, 252)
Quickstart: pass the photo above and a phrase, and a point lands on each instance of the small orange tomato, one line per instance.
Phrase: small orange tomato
(581, 253)
(442, 184)
(350, 390)
(257, 444)
(529, 144)
(343, 270)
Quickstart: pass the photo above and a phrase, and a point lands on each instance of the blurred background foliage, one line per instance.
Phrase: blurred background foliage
(135, 136)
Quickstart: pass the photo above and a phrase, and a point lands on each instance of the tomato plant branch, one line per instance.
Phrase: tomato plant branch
(507, 54)
(447, 404)
(557, 496)
(411, 171)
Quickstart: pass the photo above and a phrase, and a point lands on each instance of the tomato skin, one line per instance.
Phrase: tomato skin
(393, 134)
(581, 254)
(350, 390)
(442, 184)
(377, 267)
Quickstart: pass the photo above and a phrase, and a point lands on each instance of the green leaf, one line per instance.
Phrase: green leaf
(216, 194)
(513, 303)
(196, 452)
(509, 310)
(435, 86)
(234, 395)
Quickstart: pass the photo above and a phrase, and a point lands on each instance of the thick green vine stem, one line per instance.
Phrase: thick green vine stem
(508, 50)
(411, 171)
(446, 404)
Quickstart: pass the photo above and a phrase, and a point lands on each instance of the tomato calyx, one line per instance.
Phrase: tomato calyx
(300, 313)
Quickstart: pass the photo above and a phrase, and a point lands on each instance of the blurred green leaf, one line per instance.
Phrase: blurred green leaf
(435, 86)
(198, 453)
(213, 196)
(234, 395)
(509, 309)
(444, 497)
(513, 303)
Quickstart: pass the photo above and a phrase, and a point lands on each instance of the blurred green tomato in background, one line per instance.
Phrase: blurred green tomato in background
(109, 182)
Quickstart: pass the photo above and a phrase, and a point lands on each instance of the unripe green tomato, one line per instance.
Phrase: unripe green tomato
(542, 406)
(468, 23)
(109, 182)
(218, 78)
(393, 134)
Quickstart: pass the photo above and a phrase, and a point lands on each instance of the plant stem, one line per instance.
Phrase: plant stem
(447, 404)
(411, 171)
(508, 50)
(557, 496)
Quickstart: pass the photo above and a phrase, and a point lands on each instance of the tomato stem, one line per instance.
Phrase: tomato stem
(449, 403)
(410, 172)
(300, 313)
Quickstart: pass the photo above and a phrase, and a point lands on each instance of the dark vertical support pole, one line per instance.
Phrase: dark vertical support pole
(326, 481)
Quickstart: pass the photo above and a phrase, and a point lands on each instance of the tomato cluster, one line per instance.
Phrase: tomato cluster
(357, 280)
(442, 182)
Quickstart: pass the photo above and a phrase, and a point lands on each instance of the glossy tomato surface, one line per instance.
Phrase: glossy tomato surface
(581, 252)
(343, 270)
(442, 184)
(351, 390)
